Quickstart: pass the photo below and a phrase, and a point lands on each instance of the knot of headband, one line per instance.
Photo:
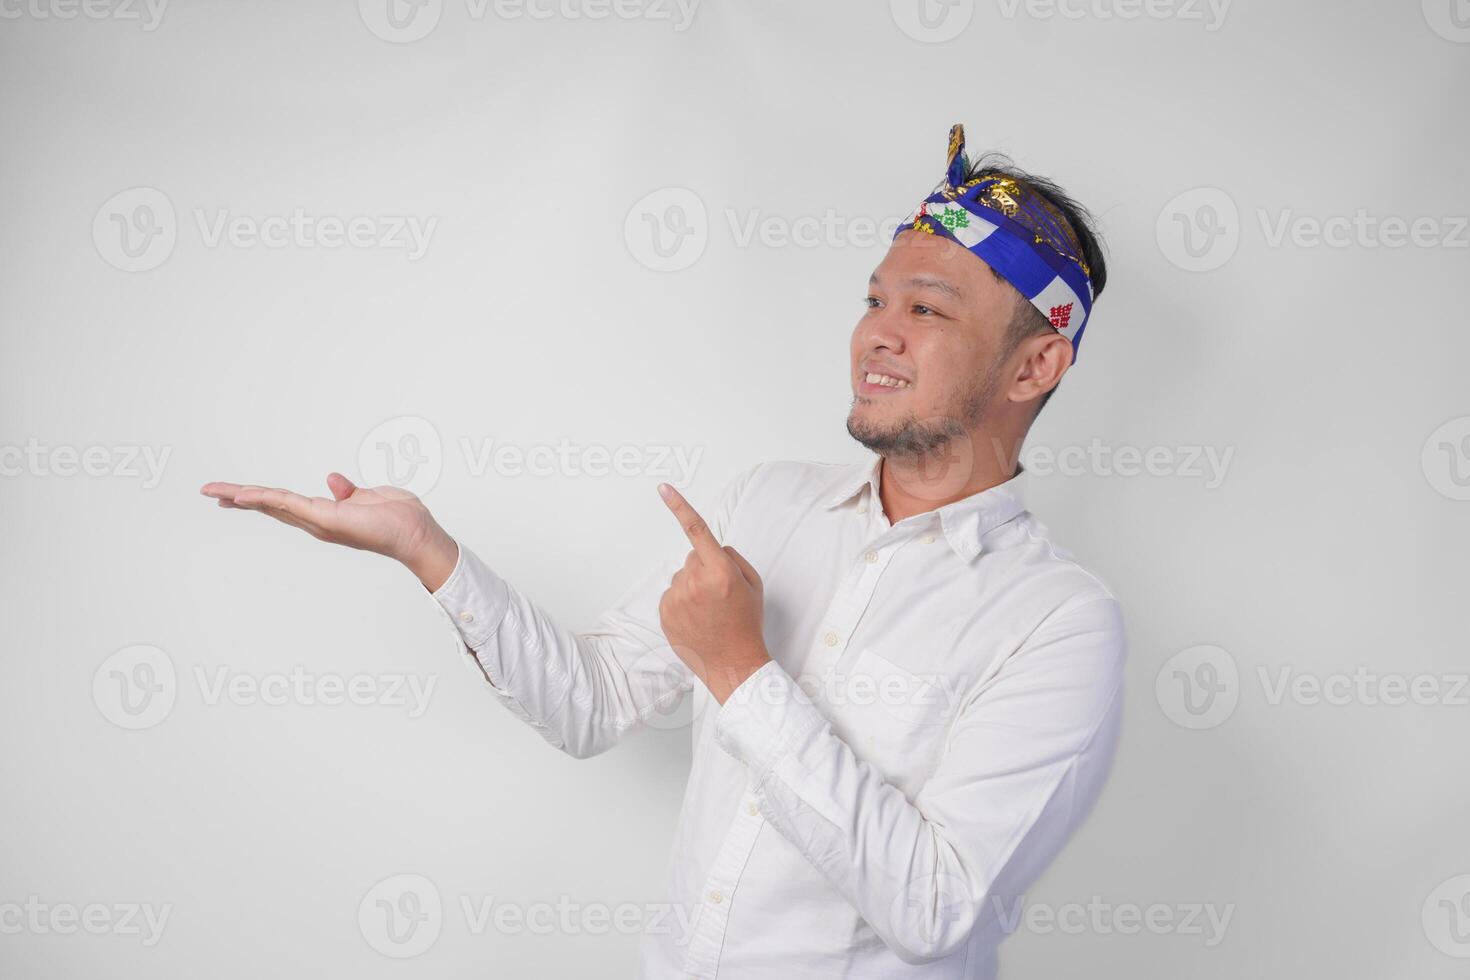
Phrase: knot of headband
(1015, 231)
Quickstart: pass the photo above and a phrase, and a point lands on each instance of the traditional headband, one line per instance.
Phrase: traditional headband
(1016, 232)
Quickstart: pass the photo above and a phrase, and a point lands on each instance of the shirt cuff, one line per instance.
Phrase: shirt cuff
(474, 598)
(765, 719)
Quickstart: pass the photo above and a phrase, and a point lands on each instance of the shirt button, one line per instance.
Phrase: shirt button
(862, 508)
(752, 809)
(465, 617)
(716, 897)
(928, 539)
(871, 557)
(830, 639)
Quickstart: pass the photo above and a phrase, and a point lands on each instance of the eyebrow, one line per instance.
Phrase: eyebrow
(924, 282)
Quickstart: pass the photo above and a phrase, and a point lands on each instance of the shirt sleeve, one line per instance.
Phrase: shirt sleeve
(582, 691)
(1025, 760)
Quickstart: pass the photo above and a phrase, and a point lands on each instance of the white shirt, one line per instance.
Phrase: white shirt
(938, 717)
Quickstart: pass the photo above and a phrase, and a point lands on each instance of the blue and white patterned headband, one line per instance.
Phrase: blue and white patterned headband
(1016, 232)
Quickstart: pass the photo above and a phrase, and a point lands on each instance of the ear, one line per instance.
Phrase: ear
(1040, 363)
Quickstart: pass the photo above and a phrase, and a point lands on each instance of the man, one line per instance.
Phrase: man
(908, 695)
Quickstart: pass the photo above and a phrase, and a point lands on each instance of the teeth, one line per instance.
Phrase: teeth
(885, 380)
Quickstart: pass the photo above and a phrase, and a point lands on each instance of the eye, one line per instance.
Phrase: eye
(921, 309)
(872, 302)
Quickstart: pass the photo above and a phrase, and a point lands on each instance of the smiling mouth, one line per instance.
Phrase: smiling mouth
(872, 379)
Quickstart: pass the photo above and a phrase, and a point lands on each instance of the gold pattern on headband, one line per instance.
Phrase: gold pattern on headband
(1032, 211)
(1002, 195)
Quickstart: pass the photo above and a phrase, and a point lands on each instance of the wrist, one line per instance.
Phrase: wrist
(727, 677)
(433, 561)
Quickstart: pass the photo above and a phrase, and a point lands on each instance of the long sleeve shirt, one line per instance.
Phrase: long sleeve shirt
(939, 715)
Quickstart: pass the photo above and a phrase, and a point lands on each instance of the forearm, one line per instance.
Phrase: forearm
(581, 691)
(1024, 760)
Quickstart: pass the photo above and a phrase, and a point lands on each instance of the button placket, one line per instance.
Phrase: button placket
(849, 603)
(713, 915)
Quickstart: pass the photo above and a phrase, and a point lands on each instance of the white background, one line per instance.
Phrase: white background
(1333, 542)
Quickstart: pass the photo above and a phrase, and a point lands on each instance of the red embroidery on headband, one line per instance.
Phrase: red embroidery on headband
(1061, 316)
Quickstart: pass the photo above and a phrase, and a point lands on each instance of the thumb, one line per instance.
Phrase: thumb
(341, 487)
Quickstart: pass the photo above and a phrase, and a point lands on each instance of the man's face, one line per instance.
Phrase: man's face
(928, 354)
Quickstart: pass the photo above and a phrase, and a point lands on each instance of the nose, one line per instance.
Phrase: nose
(881, 330)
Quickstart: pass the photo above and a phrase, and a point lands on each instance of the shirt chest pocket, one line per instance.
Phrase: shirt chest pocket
(892, 718)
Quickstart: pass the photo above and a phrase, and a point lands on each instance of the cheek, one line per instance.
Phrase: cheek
(948, 365)
(939, 358)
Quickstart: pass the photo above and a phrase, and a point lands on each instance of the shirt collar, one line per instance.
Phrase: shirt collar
(964, 522)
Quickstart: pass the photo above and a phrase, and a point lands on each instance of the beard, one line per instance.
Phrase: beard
(912, 437)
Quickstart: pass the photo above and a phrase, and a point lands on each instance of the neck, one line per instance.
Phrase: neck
(909, 485)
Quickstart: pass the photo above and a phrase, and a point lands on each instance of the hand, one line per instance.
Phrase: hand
(385, 520)
(712, 610)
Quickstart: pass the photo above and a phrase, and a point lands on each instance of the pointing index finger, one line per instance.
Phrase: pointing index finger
(698, 532)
